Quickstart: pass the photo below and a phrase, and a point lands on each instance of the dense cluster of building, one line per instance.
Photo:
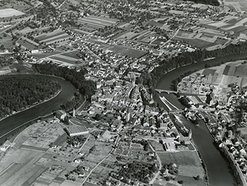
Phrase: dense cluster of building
(228, 105)
(123, 131)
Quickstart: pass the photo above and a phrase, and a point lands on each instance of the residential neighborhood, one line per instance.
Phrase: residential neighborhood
(147, 93)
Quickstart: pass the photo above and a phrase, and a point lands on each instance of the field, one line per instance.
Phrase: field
(90, 184)
(239, 23)
(20, 173)
(125, 51)
(220, 41)
(72, 54)
(127, 35)
(158, 41)
(67, 58)
(15, 4)
(48, 35)
(24, 30)
(5, 26)
(6, 41)
(64, 59)
(238, 5)
(189, 166)
(180, 158)
(97, 22)
(52, 36)
(83, 30)
(29, 164)
(55, 38)
(44, 55)
(190, 181)
(196, 42)
(27, 44)
(203, 39)
(10, 12)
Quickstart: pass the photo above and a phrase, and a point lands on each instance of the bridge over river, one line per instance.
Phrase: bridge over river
(216, 165)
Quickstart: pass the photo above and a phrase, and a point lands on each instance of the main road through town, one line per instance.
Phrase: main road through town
(9, 124)
(217, 166)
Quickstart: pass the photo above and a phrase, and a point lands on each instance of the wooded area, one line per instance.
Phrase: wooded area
(215, 57)
(76, 77)
(18, 93)
(208, 2)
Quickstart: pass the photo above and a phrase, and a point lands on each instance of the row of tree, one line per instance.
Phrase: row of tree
(230, 53)
(208, 2)
(86, 87)
(18, 93)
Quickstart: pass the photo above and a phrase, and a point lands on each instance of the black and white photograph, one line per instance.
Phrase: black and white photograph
(123, 92)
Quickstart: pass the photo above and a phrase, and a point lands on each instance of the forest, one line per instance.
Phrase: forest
(208, 2)
(216, 57)
(86, 88)
(18, 93)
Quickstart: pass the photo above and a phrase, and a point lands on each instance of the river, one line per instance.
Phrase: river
(218, 170)
(13, 121)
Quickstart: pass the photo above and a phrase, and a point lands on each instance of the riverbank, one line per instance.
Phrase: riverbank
(216, 165)
(41, 102)
(13, 134)
(218, 131)
(12, 122)
(230, 158)
(18, 128)
(23, 91)
(192, 65)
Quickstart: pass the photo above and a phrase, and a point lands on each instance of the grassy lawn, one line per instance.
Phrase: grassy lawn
(189, 166)
(65, 60)
(10, 12)
(196, 42)
(180, 158)
(55, 38)
(125, 51)
(50, 35)
(43, 55)
(72, 54)
(189, 181)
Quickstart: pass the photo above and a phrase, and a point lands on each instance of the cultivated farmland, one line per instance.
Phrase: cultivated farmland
(10, 12)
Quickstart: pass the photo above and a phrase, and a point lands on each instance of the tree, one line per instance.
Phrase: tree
(2, 47)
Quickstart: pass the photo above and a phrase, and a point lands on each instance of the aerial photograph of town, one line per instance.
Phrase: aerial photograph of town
(123, 92)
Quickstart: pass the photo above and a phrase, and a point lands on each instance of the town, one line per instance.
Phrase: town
(110, 122)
